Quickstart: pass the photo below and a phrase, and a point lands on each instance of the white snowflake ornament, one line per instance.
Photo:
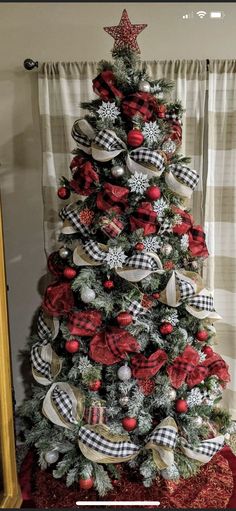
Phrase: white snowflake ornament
(160, 206)
(151, 244)
(138, 183)
(151, 132)
(108, 111)
(184, 242)
(194, 398)
(115, 257)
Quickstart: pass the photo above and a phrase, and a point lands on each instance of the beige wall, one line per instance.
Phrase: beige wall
(57, 32)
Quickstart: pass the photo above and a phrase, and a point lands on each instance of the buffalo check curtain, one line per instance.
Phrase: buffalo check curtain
(209, 127)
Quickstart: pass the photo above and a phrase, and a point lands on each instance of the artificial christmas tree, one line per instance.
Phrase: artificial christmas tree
(123, 351)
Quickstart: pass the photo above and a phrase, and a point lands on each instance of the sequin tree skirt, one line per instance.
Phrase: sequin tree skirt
(213, 488)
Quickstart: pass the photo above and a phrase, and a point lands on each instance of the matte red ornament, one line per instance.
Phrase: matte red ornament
(208, 351)
(72, 346)
(125, 34)
(63, 192)
(95, 385)
(108, 284)
(86, 484)
(139, 247)
(153, 192)
(166, 328)
(202, 335)
(129, 423)
(181, 406)
(124, 319)
(135, 138)
(69, 273)
(156, 296)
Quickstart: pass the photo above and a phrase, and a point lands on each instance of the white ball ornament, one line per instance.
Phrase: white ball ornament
(117, 171)
(172, 394)
(64, 252)
(124, 401)
(124, 373)
(51, 456)
(87, 295)
(166, 249)
(197, 421)
(144, 86)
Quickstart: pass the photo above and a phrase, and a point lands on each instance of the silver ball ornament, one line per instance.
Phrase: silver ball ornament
(64, 252)
(117, 171)
(169, 146)
(144, 86)
(51, 456)
(197, 421)
(124, 373)
(124, 401)
(166, 249)
(87, 295)
(172, 394)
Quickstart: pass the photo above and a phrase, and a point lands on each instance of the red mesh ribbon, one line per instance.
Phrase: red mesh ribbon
(140, 103)
(113, 198)
(58, 299)
(84, 323)
(84, 179)
(143, 367)
(104, 86)
(144, 218)
(112, 346)
(197, 244)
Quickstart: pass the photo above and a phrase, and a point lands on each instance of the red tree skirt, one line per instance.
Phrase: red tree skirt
(211, 488)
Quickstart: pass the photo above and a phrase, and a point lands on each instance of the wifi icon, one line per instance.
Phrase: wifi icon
(201, 14)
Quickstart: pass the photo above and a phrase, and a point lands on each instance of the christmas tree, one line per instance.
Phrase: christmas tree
(124, 353)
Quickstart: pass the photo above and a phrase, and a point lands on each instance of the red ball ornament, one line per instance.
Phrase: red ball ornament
(72, 346)
(208, 351)
(108, 284)
(63, 192)
(86, 484)
(181, 406)
(139, 247)
(166, 328)
(153, 192)
(95, 385)
(129, 423)
(156, 296)
(69, 273)
(124, 319)
(135, 138)
(202, 335)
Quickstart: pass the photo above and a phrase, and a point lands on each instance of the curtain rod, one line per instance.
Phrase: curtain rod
(30, 64)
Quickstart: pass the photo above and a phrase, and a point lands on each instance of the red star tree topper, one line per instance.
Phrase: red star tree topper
(125, 34)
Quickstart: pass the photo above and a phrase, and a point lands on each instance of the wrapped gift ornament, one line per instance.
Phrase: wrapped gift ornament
(95, 414)
(112, 227)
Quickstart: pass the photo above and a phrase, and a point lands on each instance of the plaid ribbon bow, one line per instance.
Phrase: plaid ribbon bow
(112, 346)
(84, 323)
(72, 224)
(46, 365)
(139, 266)
(143, 367)
(184, 365)
(181, 179)
(64, 405)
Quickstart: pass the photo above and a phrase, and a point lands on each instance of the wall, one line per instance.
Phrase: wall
(57, 32)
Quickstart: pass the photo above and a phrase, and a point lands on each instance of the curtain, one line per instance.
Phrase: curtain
(220, 211)
(62, 86)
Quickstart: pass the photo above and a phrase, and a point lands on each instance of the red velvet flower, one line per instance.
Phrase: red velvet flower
(113, 198)
(143, 367)
(104, 86)
(85, 179)
(197, 244)
(140, 103)
(56, 264)
(144, 218)
(182, 366)
(217, 367)
(187, 221)
(111, 346)
(58, 299)
(84, 323)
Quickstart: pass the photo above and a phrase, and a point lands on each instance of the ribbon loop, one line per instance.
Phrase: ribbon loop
(107, 145)
(146, 161)
(48, 327)
(83, 134)
(72, 224)
(46, 365)
(139, 266)
(181, 179)
(205, 450)
(64, 405)
(89, 254)
(98, 444)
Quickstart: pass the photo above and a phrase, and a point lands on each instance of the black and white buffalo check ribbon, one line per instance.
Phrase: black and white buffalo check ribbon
(106, 145)
(63, 405)
(205, 450)
(147, 161)
(94, 251)
(44, 331)
(99, 445)
(139, 266)
(180, 287)
(186, 288)
(71, 214)
(46, 364)
(181, 179)
(202, 306)
(83, 134)
(136, 308)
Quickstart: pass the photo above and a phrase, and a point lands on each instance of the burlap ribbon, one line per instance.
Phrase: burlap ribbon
(64, 405)
(90, 254)
(47, 326)
(46, 365)
(205, 450)
(181, 179)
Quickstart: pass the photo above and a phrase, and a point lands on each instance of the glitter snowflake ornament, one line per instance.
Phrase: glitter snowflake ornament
(138, 183)
(151, 244)
(184, 242)
(151, 132)
(172, 318)
(108, 111)
(125, 34)
(160, 206)
(194, 398)
(115, 257)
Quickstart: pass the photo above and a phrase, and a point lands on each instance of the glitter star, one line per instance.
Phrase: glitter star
(125, 34)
